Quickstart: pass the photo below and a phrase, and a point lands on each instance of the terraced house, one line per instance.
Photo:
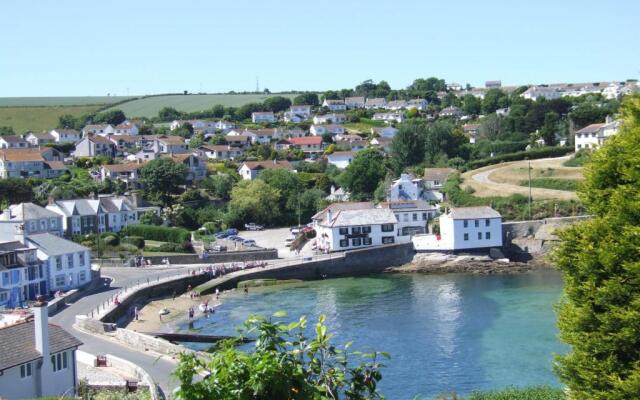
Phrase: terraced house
(31, 162)
(22, 276)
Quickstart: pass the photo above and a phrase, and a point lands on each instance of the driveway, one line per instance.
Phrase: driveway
(275, 239)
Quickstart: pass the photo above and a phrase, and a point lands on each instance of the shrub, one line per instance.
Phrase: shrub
(111, 240)
(159, 233)
(550, 183)
(137, 241)
(131, 248)
(520, 155)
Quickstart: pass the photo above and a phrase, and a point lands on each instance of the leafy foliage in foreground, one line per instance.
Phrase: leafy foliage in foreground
(600, 261)
(285, 364)
(529, 393)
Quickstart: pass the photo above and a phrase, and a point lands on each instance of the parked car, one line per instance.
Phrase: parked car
(218, 248)
(249, 242)
(238, 239)
(232, 231)
(221, 235)
(232, 237)
(288, 241)
(253, 227)
(295, 229)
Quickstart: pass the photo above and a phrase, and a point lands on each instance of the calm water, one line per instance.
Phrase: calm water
(444, 332)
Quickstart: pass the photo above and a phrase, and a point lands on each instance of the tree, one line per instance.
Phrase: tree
(362, 176)
(169, 114)
(66, 121)
(599, 258)
(219, 185)
(162, 177)
(277, 104)
(285, 364)
(471, 105)
(244, 112)
(494, 99)
(254, 201)
(306, 99)
(550, 128)
(289, 186)
(14, 191)
(217, 111)
(150, 218)
(6, 130)
(196, 140)
(441, 141)
(113, 117)
(407, 147)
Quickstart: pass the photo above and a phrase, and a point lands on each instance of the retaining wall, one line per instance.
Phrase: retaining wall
(221, 257)
(352, 263)
(59, 303)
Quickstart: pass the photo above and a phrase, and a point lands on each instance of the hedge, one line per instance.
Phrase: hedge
(137, 241)
(159, 233)
(521, 155)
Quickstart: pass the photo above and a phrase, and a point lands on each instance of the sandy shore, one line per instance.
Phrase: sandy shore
(149, 319)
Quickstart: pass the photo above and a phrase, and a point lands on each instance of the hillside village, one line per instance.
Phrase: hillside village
(347, 169)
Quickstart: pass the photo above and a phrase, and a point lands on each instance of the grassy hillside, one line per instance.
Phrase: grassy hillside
(149, 107)
(60, 101)
(37, 119)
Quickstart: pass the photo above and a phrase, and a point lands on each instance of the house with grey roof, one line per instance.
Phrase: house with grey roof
(13, 142)
(68, 264)
(38, 359)
(22, 277)
(109, 213)
(347, 226)
(66, 135)
(39, 139)
(28, 219)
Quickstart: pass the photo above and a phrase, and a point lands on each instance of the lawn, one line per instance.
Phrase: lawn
(364, 126)
(37, 119)
(149, 106)
(60, 101)
(550, 183)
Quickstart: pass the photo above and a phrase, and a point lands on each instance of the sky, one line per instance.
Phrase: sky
(91, 47)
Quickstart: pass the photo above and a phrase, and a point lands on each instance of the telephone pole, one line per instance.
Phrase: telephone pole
(529, 169)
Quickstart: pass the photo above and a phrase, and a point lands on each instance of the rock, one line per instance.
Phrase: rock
(495, 253)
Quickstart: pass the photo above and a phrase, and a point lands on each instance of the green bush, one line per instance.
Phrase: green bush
(137, 241)
(521, 155)
(578, 159)
(171, 248)
(550, 183)
(131, 248)
(529, 393)
(110, 240)
(159, 233)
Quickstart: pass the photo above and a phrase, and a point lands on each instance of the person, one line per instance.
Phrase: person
(136, 313)
(246, 289)
(116, 301)
(174, 295)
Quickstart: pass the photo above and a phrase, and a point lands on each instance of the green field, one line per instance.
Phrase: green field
(38, 119)
(149, 106)
(60, 101)
(551, 183)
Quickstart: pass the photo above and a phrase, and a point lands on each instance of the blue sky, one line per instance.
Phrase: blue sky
(91, 47)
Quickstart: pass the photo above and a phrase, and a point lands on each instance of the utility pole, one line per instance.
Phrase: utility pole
(257, 85)
(529, 189)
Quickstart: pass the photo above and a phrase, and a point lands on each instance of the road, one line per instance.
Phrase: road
(503, 179)
(159, 368)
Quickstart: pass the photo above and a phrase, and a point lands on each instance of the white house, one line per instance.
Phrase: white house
(22, 277)
(13, 142)
(413, 217)
(126, 129)
(129, 173)
(262, 116)
(536, 92)
(332, 118)
(594, 135)
(418, 104)
(389, 117)
(39, 139)
(297, 113)
(100, 129)
(385, 132)
(31, 162)
(378, 102)
(334, 105)
(31, 219)
(332, 129)
(354, 102)
(405, 188)
(451, 111)
(383, 143)
(249, 170)
(38, 359)
(472, 131)
(66, 135)
(308, 144)
(94, 145)
(341, 159)
(464, 228)
(219, 152)
(346, 226)
(68, 263)
(396, 105)
(433, 181)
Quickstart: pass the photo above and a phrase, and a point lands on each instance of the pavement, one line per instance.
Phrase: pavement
(114, 279)
(275, 239)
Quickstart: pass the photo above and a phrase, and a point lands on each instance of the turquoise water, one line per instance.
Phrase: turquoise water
(445, 333)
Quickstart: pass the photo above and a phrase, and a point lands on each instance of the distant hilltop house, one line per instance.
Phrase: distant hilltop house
(321, 129)
(537, 92)
(13, 142)
(493, 84)
(65, 135)
(464, 228)
(341, 159)
(354, 102)
(428, 188)
(334, 105)
(263, 116)
(98, 129)
(418, 104)
(389, 117)
(297, 113)
(378, 102)
(451, 111)
(338, 195)
(31, 162)
(40, 139)
(472, 131)
(382, 143)
(332, 118)
(594, 135)
(249, 170)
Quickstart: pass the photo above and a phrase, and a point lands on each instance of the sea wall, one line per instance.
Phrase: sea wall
(220, 257)
(351, 263)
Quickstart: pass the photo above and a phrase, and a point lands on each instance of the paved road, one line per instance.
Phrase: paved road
(275, 239)
(159, 368)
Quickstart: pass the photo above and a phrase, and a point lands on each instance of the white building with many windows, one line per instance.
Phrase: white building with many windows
(347, 226)
(413, 217)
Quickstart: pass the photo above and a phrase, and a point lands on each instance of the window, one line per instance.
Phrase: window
(82, 276)
(387, 239)
(43, 224)
(479, 235)
(487, 222)
(425, 216)
(59, 361)
(415, 216)
(69, 260)
(59, 280)
(406, 217)
(4, 297)
(476, 223)
(344, 242)
(356, 242)
(466, 223)
(466, 236)
(58, 263)
(366, 229)
(53, 223)
(487, 235)
(81, 258)
(344, 231)
(356, 230)
(387, 227)
(25, 370)
(5, 278)
(366, 241)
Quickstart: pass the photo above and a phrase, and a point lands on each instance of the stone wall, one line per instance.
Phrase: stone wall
(59, 303)
(221, 257)
(352, 263)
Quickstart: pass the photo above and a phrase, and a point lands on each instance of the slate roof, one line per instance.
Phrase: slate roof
(122, 167)
(27, 211)
(18, 343)
(437, 174)
(474, 212)
(335, 207)
(375, 216)
(593, 128)
(53, 245)
(12, 139)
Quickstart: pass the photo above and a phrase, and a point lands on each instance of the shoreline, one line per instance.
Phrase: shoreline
(423, 263)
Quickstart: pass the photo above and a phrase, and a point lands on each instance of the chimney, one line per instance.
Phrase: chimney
(329, 215)
(609, 119)
(333, 189)
(41, 324)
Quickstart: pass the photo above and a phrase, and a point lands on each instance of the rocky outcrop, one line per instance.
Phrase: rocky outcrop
(438, 263)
